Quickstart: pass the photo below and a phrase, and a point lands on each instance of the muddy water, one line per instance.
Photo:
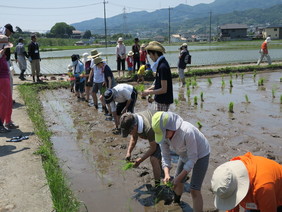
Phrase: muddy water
(91, 155)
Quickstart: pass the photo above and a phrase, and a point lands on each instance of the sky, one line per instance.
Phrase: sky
(41, 15)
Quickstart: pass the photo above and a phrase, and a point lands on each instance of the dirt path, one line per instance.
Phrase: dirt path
(23, 186)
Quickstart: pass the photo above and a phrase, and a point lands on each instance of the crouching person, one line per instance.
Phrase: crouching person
(125, 95)
(171, 132)
(139, 125)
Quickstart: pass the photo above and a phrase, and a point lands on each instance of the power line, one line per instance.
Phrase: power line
(49, 8)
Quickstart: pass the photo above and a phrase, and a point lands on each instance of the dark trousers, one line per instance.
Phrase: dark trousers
(120, 62)
(136, 61)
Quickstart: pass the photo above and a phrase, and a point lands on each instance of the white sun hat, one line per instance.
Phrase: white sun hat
(230, 184)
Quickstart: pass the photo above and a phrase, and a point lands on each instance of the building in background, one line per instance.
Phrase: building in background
(233, 31)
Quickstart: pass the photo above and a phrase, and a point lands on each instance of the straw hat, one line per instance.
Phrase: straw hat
(230, 184)
(143, 45)
(98, 60)
(184, 45)
(130, 53)
(4, 42)
(155, 46)
(94, 53)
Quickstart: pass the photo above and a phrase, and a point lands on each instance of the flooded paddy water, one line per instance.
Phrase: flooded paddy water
(91, 156)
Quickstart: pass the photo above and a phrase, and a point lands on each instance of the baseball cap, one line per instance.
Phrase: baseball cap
(9, 27)
(108, 95)
(162, 121)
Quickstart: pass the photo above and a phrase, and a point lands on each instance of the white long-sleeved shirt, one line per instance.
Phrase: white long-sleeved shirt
(121, 51)
(189, 143)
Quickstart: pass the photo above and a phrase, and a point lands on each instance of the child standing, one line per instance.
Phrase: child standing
(143, 55)
(130, 61)
(71, 77)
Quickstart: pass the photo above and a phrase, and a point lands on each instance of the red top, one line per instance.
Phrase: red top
(129, 61)
(143, 56)
(4, 68)
(265, 192)
(264, 47)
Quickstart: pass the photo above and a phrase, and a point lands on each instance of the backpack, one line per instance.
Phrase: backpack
(187, 58)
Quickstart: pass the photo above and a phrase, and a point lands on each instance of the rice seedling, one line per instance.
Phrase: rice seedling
(209, 81)
(176, 102)
(231, 75)
(195, 100)
(280, 99)
(261, 82)
(247, 98)
(222, 76)
(140, 87)
(280, 79)
(273, 92)
(127, 165)
(242, 76)
(231, 84)
(236, 75)
(188, 93)
(230, 108)
(222, 84)
(188, 82)
(194, 83)
(255, 74)
(199, 125)
(202, 96)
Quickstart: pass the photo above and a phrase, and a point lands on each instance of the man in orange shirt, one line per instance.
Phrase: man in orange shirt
(252, 182)
(264, 52)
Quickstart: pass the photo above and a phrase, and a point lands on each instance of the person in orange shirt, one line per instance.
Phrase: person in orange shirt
(252, 182)
(264, 52)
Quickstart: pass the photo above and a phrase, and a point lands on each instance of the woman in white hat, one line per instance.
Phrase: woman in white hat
(173, 133)
(264, 52)
(252, 182)
(120, 55)
(6, 101)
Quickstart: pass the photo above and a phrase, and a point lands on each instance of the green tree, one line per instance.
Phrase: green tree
(18, 29)
(87, 34)
(62, 30)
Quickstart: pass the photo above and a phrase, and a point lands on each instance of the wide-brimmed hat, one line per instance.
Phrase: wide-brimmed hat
(184, 45)
(268, 39)
(162, 121)
(98, 60)
(120, 39)
(143, 45)
(109, 96)
(130, 53)
(230, 184)
(94, 53)
(4, 42)
(9, 27)
(127, 122)
(155, 46)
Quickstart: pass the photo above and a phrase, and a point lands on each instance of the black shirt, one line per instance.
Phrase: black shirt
(181, 62)
(136, 49)
(164, 73)
(108, 73)
(33, 51)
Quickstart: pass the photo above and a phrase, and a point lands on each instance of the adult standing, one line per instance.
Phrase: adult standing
(182, 63)
(136, 54)
(143, 55)
(139, 125)
(172, 133)
(20, 55)
(264, 51)
(162, 87)
(252, 182)
(6, 101)
(78, 69)
(34, 58)
(125, 95)
(120, 55)
(88, 85)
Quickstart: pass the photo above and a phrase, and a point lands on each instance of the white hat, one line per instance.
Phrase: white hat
(268, 39)
(85, 54)
(230, 184)
(130, 53)
(120, 39)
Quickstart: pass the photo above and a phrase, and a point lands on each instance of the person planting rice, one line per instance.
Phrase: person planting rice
(171, 132)
(125, 95)
(139, 125)
(252, 182)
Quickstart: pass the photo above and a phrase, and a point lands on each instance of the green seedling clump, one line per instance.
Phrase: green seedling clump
(280, 79)
(222, 84)
(199, 125)
(202, 96)
(280, 99)
(195, 100)
(194, 83)
(230, 109)
(127, 165)
(260, 82)
(242, 76)
(176, 101)
(247, 98)
(209, 81)
(231, 84)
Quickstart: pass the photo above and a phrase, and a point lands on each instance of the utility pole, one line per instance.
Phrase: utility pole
(105, 21)
(169, 24)
(210, 25)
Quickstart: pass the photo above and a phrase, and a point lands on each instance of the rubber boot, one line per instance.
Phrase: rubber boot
(33, 78)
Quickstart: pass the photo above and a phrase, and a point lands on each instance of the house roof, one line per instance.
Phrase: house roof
(234, 26)
(274, 26)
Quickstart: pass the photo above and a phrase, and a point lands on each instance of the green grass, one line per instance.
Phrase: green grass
(63, 198)
(231, 107)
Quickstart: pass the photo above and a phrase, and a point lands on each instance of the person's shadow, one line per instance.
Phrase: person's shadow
(10, 149)
(148, 196)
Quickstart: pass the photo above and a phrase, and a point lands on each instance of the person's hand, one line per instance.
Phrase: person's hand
(124, 110)
(145, 93)
(137, 163)
(176, 181)
(166, 179)
(127, 157)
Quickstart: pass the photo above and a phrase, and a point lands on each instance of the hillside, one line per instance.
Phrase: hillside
(193, 17)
